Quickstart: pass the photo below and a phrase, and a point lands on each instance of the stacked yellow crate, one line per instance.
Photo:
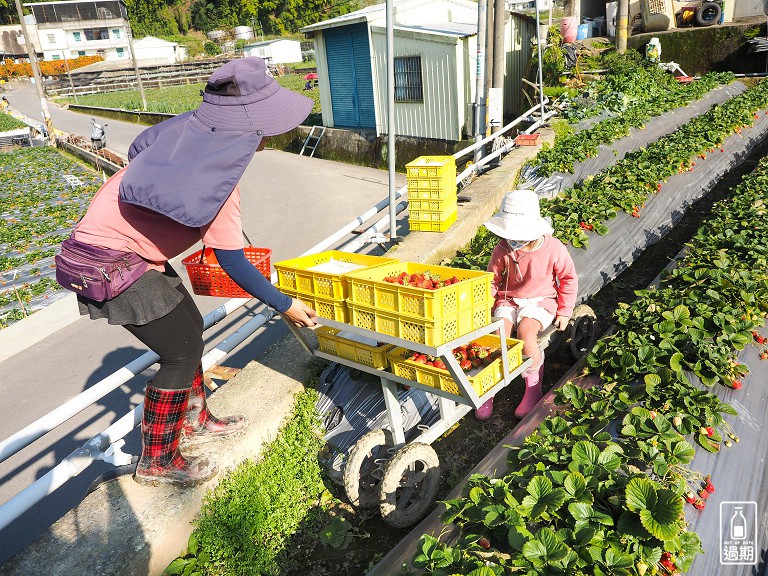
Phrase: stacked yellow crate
(431, 193)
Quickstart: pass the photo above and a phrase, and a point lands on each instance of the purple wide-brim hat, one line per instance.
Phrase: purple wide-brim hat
(187, 166)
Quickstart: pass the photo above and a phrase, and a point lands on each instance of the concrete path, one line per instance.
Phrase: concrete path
(290, 203)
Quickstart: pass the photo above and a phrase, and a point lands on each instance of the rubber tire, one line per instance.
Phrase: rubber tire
(402, 507)
(582, 331)
(363, 489)
(708, 9)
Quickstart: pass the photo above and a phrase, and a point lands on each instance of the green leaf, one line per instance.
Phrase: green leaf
(542, 497)
(662, 519)
(585, 452)
(675, 362)
(576, 486)
(586, 514)
(640, 494)
(629, 523)
(192, 544)
(177, 566)
(545, 548)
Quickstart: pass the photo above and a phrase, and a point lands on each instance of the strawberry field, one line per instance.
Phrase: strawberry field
(42, 196)
(618, 479)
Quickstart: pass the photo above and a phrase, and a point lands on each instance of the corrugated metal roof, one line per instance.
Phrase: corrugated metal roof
(455, 29)
(370, 12)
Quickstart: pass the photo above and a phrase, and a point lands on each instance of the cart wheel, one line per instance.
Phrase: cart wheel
(582, 331)
(363, 470)
(409, 485)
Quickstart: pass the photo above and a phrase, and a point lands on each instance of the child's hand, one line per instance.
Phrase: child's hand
(561, 322)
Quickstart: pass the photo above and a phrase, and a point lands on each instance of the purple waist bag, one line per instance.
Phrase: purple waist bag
(96, 273)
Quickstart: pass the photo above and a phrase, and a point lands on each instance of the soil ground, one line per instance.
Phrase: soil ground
(467, 443)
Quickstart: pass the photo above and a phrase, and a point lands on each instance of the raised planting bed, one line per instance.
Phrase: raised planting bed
(43, 194)
(618, 479)
(572, 149)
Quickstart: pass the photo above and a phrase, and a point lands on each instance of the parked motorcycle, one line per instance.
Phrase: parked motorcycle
(98, 135)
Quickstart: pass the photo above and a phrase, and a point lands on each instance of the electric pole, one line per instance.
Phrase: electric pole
(135, 65)
(499, 60)
(36, 73)
(480, 78)
(622, 21)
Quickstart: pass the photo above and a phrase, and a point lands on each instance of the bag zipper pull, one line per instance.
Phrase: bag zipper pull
(127, 263)
(120, 271)
(85, 282)
(106, 276)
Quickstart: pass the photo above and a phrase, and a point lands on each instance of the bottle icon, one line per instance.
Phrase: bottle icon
(738, 525)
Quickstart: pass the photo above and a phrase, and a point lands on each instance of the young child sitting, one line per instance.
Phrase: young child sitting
(534, 284)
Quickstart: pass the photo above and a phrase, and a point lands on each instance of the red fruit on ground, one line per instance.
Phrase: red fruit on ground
(484, 543)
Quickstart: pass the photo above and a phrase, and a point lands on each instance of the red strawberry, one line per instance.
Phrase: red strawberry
(763, 355)
(483, 542)
(439, 364)
(421, 359)
(699, 504)
(736, 385)
(709, 487)
(690, 497)
(466, 365)
(760, 339)
(710, 431)
(703, 494)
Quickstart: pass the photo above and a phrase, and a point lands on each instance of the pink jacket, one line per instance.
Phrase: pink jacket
(548, 271)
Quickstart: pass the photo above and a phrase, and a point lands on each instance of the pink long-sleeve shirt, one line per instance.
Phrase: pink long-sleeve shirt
(546, 272)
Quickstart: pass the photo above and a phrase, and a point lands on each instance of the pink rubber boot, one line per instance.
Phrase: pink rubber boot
(533, 378)
(485, 411)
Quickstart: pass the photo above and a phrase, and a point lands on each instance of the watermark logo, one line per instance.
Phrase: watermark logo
(738, 533)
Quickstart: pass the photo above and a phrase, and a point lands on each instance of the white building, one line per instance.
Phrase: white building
(275, 51)
(73, 28)
(151, 50)
(435, 49)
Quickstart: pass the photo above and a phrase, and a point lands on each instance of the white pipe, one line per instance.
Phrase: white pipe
(83, 457)
(364, 217)
(56, 417)
(484, 141)
(375, 230)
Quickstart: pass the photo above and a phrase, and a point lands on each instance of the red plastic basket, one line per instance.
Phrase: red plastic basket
(527, 139)
(210, 279)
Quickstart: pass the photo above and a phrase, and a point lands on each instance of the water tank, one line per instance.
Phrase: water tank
(243, 32)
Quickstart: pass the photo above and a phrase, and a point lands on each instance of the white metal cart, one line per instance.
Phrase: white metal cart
(382, 469)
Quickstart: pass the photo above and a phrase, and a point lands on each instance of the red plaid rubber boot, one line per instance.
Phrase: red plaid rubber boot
(161, 461)
(200, 425)
(532, 378)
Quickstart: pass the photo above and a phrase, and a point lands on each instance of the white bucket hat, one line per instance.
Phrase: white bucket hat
(519, 218)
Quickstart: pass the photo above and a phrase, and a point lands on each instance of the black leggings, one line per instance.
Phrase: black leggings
(177, 338)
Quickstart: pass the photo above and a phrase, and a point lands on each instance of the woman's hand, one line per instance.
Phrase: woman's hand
(561, 322)
(300, 314)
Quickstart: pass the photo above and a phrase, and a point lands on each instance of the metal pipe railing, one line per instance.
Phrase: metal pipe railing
(97, 446)
(56, 417)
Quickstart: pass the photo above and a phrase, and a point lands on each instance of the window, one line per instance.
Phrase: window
(76, 36)
(81, 53)
(55, 57)
(120, 52)
(96, 34)
(51, 38)
(116, 32)
(408, 86)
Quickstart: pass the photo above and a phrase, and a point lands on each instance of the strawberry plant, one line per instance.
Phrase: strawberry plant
(579, 146)
(600, 487)
(8, 122)
(42, 195)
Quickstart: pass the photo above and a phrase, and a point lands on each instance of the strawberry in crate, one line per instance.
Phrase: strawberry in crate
(424, 280)
(469, 356)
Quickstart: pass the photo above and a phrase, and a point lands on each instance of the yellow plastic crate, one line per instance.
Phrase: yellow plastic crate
(472, 292)
(431, 225)
(444, 193)
(429, 332)
(482, 379)
(442, 207)
(325, 307)
(432, 215)
(374, 356)
(431, 173)
(296, 274)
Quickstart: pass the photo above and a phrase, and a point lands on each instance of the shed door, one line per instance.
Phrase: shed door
(349, 72)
